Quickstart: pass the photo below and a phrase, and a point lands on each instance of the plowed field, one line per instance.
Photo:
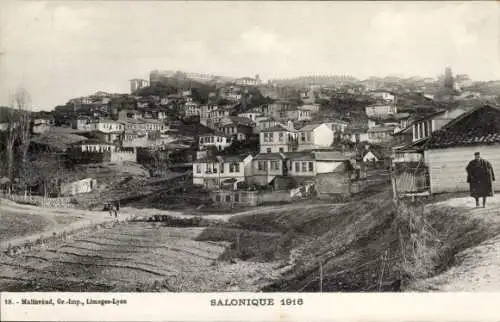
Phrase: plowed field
(133, 257)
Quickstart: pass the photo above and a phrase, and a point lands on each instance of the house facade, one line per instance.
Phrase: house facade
(381, 134)
(383, 95)
(145, 125)
(310, 164)
(218, 140)
(313, 136)
(381, 110)
(191, 109)
(424, 127)
(267, 166)
(236, 129)
(220, 171)
(250, 115)
(277, 139)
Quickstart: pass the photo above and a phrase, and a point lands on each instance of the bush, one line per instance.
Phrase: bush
(419, 242)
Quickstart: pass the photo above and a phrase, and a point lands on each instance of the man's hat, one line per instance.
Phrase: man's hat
(476, 153)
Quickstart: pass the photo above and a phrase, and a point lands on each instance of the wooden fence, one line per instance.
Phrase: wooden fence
(61, 202)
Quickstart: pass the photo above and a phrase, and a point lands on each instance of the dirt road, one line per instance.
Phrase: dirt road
(43, 222)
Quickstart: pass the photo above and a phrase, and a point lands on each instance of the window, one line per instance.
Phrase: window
(275, 165)
(304, 166)
(198, 168)
(280, 137)
(308, 136)
(221, 166)
(268, 150)
(303, 137)
(282, 150)
(236, 198)
(297, 166)
(228, 198)
(217, 198)
(261, 165)
(236, 167)
(311, 167)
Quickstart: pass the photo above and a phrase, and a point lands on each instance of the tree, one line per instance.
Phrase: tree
(448, 81)
(22, 102)
(9, 117)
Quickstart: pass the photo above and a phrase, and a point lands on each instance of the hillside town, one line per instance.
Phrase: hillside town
(212, 147)
(243, 141)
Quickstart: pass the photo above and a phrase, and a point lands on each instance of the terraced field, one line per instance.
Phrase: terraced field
(134, 257)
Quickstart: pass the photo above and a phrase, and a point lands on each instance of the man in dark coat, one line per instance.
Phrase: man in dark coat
(480, 177)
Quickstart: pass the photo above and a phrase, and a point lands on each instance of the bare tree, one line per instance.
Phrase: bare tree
(10, 138)
(22, 101)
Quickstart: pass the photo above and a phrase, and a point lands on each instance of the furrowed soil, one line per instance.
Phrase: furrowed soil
(134, 257)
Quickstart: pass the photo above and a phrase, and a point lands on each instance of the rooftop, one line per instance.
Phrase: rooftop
(310, 126)
(278, 128)
(477, 127)
(269, 156)
(379, 129)
(223, 158)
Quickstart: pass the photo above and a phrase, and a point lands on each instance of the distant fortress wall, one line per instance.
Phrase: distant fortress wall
(156, 75)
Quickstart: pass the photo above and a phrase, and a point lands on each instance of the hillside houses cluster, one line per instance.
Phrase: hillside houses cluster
(234, 146)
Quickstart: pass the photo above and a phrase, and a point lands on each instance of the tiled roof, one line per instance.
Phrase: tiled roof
(310, 127)
(223, 158)
(477, 127)
(215, 133)
(330, 156)
(306, 155)
(382, 129)
(269, 156)
(241, 120)
(278, 128)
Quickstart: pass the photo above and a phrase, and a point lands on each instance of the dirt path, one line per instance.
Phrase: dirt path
(61, 219)
(130, 211)
(478, 268)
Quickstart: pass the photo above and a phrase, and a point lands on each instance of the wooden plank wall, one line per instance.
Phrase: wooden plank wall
(447, 166)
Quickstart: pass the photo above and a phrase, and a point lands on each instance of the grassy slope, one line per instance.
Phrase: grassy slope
(366, 245)
(21, 224)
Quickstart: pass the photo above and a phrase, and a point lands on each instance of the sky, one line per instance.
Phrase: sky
(60, 50)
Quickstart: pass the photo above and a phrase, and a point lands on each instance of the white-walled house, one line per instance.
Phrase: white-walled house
(310, 164)
(383, 95)
(108, 126)
(218, 140)
(313, 136)
(380, 110)
(423, 127)
(266, 167)
(215, 172)
(278, 139)
(381, 134)
(250, 115)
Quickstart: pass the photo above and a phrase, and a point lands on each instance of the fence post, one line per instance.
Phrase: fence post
(395, 197)
(320, 277)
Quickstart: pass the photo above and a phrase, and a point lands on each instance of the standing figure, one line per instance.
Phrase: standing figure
(480, 177)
